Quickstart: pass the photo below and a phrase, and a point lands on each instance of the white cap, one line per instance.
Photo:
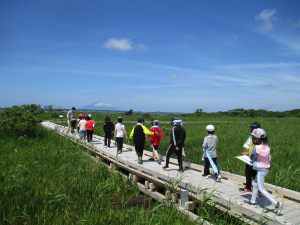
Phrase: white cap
(259, 133)
(210, 128)
(177, 122)
(90, 115)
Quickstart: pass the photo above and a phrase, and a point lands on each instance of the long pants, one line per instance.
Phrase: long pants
(259, 185)
(250, 174)
(139, 148)
(207, 165)
(82, 134)
(119, 141)
(170, 151)
(107, 137)
(89, 134)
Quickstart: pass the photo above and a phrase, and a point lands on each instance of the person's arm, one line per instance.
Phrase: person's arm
(131, 133)
(146, 131)
(253, 155)
(125, 132)
(182, 136)
(204, 145)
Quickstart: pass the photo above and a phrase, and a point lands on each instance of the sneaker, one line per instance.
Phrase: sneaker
(278, 207)
(140, 161)
(119, 151)
(165, 167)
(246, 190)
(151, 159)
(250, 203)
(218, 178)
(205, 176)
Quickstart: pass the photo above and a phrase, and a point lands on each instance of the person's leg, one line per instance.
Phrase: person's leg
(155, 153)
(252, 173)
(69, 125)
(105, 138)
(139, 152)
(179, 158)
(254, 190)
(215, 160)
(92, 133)
(119, 141)
(206, 166)
(168, 154)
(89, 135)
(261, 185)
(248, 177)
(108, 139)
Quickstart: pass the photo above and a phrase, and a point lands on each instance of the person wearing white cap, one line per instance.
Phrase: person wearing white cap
(90, 126)
(261, 158)
(210, 151)
(177, 139)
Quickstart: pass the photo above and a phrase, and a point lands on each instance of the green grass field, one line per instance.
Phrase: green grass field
(50, 180)
(283, 134)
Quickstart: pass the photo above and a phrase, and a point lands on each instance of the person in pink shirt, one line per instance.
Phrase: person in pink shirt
(261, 159)
(82, 128)
(90, 125)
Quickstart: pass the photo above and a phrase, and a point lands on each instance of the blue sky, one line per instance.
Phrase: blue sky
(151, 55)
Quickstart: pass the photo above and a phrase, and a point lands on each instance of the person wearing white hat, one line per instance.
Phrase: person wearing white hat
(261, 158)
(210, 151)
(177, 139)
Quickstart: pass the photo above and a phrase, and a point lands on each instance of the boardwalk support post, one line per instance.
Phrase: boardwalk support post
(184, 197)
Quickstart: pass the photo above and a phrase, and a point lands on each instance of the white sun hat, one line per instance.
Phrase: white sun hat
(210, 128)
(259, 133)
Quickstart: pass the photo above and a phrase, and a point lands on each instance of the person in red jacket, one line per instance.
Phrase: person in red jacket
(155, 140)
(90, 124)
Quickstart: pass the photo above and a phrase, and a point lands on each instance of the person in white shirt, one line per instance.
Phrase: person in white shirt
(120, 132)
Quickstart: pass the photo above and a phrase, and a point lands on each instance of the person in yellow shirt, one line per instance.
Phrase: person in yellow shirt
(137, 134)
(250, 173)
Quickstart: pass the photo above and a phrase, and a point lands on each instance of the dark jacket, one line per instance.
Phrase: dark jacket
(108, 126)
(178, 136)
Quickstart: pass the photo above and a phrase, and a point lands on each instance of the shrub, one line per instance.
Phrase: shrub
(20, 120)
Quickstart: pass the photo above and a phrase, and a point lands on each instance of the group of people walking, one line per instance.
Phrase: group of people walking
(256, 147)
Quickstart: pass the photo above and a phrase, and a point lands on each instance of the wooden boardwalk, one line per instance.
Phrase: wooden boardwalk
(150, 177)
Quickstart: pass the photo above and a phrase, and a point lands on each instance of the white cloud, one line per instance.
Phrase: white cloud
(267, 18)
(121, 44)
(292, 78)
(99, 104)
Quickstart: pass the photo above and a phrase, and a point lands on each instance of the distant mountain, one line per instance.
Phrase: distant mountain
(99, 106)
